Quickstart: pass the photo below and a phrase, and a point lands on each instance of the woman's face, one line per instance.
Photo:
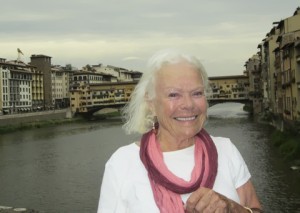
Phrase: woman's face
(179, 104)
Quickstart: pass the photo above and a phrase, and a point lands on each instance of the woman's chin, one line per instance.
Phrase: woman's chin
(187, 134)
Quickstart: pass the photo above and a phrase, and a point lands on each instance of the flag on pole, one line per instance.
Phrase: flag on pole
(19, 51)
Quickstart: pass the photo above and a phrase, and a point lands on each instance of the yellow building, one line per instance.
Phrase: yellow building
(91, 97)
(92, 88)
(37, 89)
(228, 87)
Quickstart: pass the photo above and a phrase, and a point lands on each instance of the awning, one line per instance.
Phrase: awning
(289, 44)
(279, 38)
(276, 49)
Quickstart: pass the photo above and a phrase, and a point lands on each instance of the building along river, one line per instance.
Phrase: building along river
(59, 169)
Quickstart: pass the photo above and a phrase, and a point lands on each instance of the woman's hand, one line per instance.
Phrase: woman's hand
(206, 200)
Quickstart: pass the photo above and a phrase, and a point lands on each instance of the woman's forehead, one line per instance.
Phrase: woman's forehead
(178, 73)
(179, 84)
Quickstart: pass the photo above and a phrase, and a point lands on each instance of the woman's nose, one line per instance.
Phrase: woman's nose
(187, 102)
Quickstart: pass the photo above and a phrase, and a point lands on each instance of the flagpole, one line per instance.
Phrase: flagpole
(19, 54)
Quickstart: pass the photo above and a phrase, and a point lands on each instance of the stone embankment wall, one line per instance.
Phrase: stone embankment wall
(17, 119)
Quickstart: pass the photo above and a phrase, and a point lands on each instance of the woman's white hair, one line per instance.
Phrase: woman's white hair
(137, 114)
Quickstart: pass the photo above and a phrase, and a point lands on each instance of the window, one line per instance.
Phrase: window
(288, 103)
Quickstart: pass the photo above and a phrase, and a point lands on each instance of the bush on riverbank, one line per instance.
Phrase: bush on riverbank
(248, 108)
(286, 140)
(288, 144)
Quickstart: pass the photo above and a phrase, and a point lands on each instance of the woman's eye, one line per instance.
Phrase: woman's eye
(198, 94)
(173, 95)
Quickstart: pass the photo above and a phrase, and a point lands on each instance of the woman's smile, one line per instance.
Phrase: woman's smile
(192, 118)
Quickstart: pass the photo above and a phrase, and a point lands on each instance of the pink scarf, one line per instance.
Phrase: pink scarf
(165, 185)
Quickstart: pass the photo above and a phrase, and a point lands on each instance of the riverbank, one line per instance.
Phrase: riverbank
(288, 146)
(284, 136)
(19, 122)
(286, 140)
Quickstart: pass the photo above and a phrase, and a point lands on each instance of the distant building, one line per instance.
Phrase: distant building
(37, 89)
(276, 81)
(253, 71)
(88, 77)
(60, 86)
(96, 85)
(120, 74)
(15, 86)
(269, 72)
(228, 87)
(289, 53)
(43, 66)
(92, 97)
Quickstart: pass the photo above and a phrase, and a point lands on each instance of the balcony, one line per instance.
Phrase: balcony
(298, 58)
(277, 62)
(297, 44)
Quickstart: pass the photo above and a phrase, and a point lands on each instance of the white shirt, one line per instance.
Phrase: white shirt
(126, 187)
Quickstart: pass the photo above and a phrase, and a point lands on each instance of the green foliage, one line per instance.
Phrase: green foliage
(288, 144)
(290, 149)
(267, 116)
(278, 138)
(248, 108)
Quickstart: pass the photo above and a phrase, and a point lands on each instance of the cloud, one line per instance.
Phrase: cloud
(130, 58)
(223, 34)
(158, 15)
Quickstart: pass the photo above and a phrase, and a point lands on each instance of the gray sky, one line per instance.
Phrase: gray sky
(125, 33)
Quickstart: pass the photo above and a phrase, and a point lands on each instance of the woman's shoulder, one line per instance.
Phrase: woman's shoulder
(221, 141)
(125, 161)
(125, 153)
(224, 145)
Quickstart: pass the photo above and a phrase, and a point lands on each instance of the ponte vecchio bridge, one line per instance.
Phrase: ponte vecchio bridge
(89, 98)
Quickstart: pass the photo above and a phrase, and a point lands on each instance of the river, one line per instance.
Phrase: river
(59, 169)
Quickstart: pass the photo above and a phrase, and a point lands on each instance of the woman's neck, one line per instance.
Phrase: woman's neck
(168, 144)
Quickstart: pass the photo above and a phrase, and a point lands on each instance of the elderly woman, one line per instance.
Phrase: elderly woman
(176, 166)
